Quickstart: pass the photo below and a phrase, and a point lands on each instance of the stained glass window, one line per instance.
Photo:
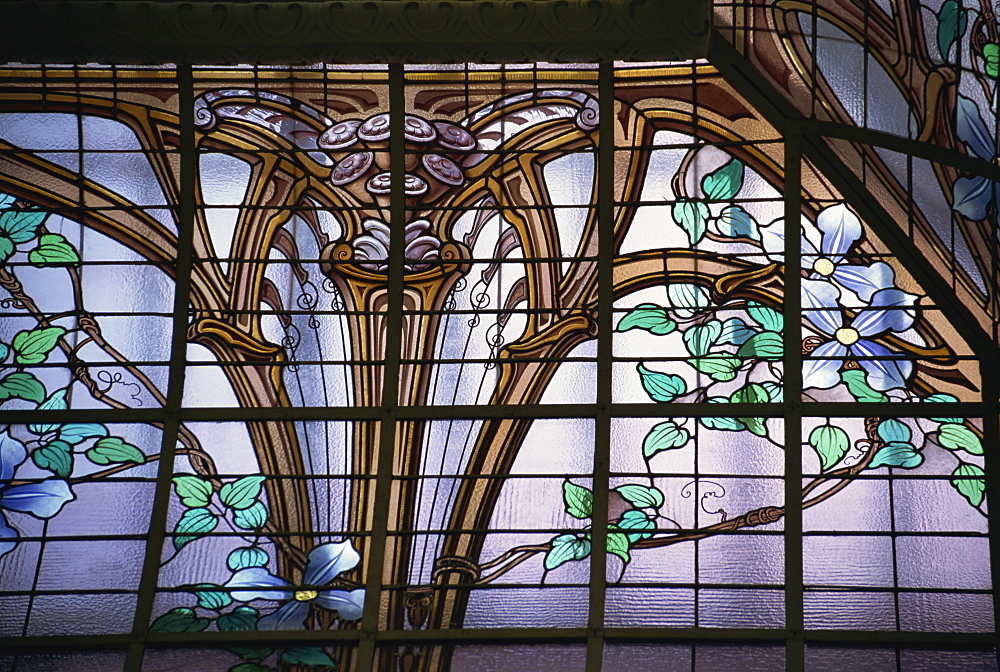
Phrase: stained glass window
(336, 366)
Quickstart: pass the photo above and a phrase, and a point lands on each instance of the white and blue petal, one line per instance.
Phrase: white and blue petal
(43, 499)
(12, 453)
(865, 280)
(289, 616)
(971, 129)
(823, 373)
(8, 537)
(260, 584)
(772, 237)
(841, 228)
(885, 371)
(821, 305)
(972, 195)
(326, 561)
(349, 604)
(886, 312)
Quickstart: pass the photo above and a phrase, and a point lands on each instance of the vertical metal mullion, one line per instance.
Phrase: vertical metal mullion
(991, 465)
(605, 303)
(794, 623)
(390, 374)
(175, 384)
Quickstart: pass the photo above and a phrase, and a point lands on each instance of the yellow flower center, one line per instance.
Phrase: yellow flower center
(824, 266)
(306, 595)
(847, 336)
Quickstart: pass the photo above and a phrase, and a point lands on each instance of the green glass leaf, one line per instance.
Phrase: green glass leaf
(894, 431)
(754, 393)
(77, 432)
(765, 345)
(775, 393)
(194, 523)
(766, 317)
(6, 248)
(757, 426)
(640, 496)
(33, 347)
(21, 225)
(970, 480)
(735, 331)
(830, 443)
(664, 436)
(692, 216)
(308, 655)
(22, 385)
(193, 490)
(115, 450)
(661, 386)
(941, 398)
(717, 365)
(726, 424)
(247, 556)
(4, 351)
(618, 544)
(857, 384)
(952, 21)
(251, 653)
(241, 494)
(565, 548)
(735, 222)
(700, 338)
(897, 454)
(991, 54)
(636, 520)
(725, 182)
(181, 619)
(55, 402)
(960, 437)
(687, 299)
(251, 518)
(55, 456)
(648, 317)
(212, 599)
(53, 249)
(242, 619)
(250, 667)
(578, 499)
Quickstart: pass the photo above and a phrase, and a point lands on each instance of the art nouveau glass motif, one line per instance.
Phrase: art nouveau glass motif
(321, 350)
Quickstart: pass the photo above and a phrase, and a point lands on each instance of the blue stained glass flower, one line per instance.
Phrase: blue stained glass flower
(42, 499)
(325, 563)
(884, 313)
(840, 229)
(972, 194)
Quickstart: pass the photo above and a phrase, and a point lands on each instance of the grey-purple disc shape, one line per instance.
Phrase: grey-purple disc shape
(381, 184)
(340, 135)
(416, 129)
(443, 169)
(454, 137)
(351, 167)
(375, 128)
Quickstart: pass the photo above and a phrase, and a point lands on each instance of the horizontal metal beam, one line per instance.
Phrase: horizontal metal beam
(374, 31)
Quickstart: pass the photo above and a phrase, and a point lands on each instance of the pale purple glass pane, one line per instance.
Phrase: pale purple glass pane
(91, 565)
(839, 610)
(726, 658)
(944, 562)
(836, 659)
(13, 613)
(572, 658)
(648, 657)
(108, 614)
(648, 607)
(946, 612)
(847, 561)
(528, 608)
(861, 506)
(742, 558)
(741, 608)
(930, 660)
(91, 661)
(209, 660)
